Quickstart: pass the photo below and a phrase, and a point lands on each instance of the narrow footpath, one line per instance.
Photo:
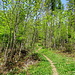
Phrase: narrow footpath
(52, 64)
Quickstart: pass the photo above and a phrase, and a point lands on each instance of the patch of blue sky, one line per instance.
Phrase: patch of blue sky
(65, 3)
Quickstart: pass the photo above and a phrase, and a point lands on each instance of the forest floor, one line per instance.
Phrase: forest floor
(48, 62)
(54, 63)
(51, 63)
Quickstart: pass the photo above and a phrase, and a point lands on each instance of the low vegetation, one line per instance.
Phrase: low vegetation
(41, 68)
(64, 65)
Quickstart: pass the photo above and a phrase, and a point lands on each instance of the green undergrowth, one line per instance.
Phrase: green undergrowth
(41, 68)
(64, 65)
(22, 73)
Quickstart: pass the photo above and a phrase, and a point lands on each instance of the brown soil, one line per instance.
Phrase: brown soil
(66, 54)
(20, 65)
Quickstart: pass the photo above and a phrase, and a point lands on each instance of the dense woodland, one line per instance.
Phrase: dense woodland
(25, 22)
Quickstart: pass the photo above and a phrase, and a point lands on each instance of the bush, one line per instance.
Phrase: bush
(68, 47)
(35, 56)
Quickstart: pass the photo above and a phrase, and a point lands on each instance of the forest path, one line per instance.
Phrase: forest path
(52, 64)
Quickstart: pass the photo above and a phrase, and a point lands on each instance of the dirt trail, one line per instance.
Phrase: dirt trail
(39, 49)
(52, 65)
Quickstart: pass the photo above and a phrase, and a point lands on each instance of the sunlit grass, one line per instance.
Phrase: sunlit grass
(64, 65)
(41, 68)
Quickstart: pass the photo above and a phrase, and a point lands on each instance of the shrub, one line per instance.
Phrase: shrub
(68, 47)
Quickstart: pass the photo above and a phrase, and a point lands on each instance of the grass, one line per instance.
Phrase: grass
(41, 68)
(64, 65)
(22, 73)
